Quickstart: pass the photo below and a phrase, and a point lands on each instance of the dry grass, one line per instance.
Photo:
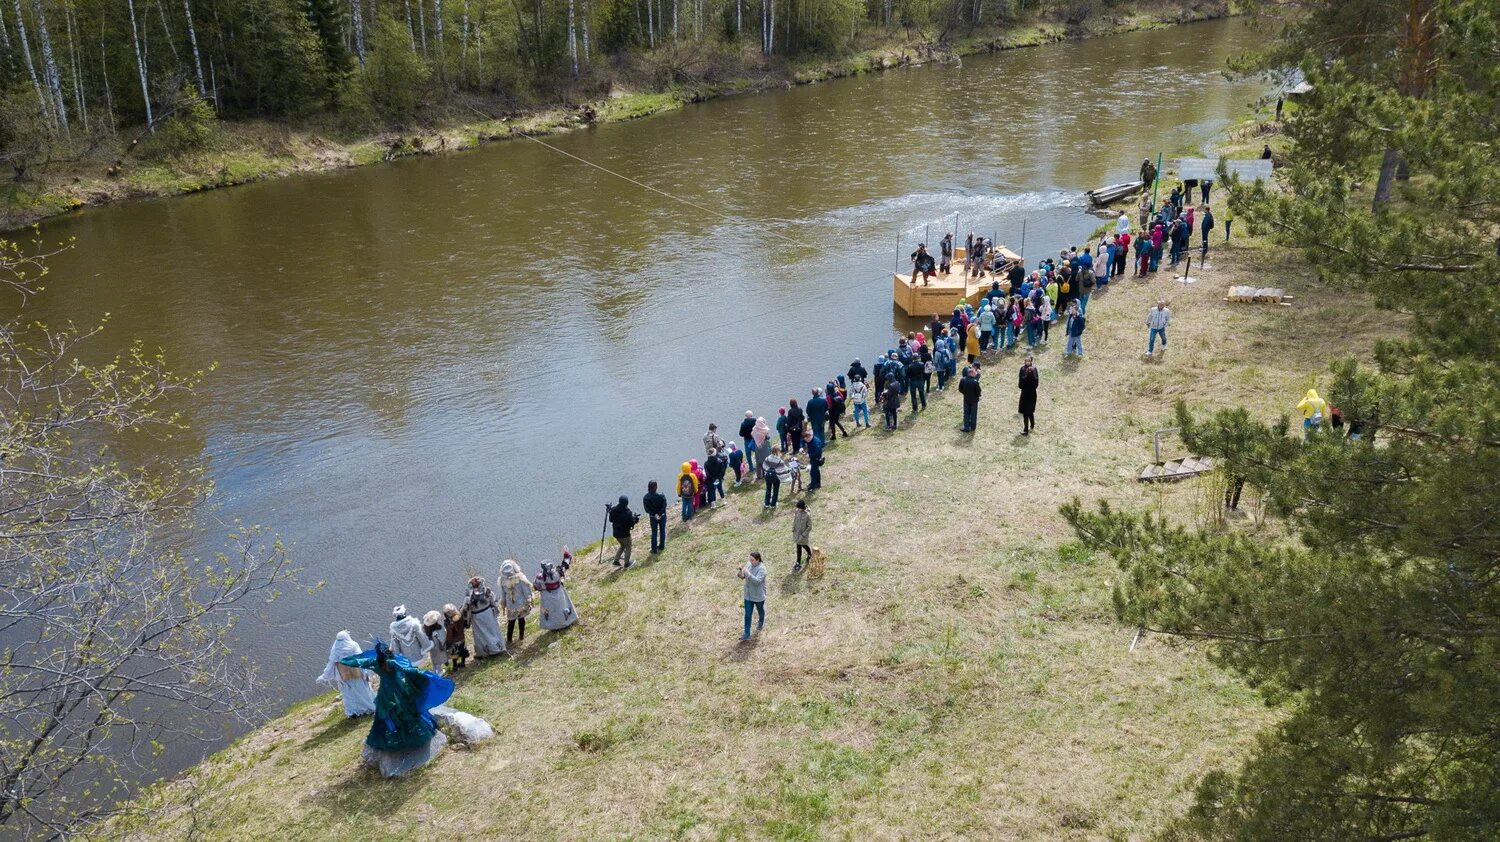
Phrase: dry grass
(957, 673)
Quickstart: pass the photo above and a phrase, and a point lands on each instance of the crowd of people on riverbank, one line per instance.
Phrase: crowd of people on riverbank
(787, 456)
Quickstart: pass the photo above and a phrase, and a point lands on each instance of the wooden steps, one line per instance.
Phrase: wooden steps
(1176, 469)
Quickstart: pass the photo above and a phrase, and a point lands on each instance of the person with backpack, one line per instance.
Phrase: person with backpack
(1086, 287)
(654, 503)
(714, 469)
(941, 359)
(838, 401)
(859, 396)
(890, 402)
(1074, 330)
(687, 489)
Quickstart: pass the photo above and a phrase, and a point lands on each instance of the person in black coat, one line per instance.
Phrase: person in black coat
(714, 469)
(916, 383)
(655, 505)
(968, 386)
(857, 371)
(1030, 379)
(621, 521)
(747, 429)
(795, 418)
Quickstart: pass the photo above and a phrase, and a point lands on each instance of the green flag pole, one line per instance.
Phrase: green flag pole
(1156, 183)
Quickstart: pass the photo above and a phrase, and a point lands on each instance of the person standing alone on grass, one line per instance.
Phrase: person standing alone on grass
(754, 573)
(1157, 320)
(621, 521)
(968, 386)
(655, 506)
(802, 533)
(1030, 380)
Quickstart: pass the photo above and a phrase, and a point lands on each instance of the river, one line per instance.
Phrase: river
(427, 366)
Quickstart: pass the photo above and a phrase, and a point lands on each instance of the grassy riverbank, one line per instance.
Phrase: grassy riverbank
(957, 671)
(247, 151)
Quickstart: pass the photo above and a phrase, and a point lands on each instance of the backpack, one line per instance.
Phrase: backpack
(685, 487)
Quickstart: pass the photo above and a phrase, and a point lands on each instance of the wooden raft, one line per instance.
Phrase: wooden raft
(943, 292)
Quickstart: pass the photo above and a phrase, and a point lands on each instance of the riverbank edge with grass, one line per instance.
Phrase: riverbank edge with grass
(256, 150)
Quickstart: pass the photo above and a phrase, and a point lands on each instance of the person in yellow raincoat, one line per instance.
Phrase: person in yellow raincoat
(971, 346)
(687, 489)
(1313, 409)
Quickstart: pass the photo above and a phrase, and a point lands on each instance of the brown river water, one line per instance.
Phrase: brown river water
(430, 365)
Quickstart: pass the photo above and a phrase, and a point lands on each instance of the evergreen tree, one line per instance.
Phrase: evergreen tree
(1376, 623)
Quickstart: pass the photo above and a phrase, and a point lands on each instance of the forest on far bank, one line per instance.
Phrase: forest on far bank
(154, 78)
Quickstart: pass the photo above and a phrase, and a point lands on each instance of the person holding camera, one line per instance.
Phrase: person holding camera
(754, 573)
(622, 520)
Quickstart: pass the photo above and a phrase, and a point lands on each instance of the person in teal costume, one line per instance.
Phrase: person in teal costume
(402, 703)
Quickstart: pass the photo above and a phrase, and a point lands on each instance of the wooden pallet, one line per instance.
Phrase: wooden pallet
(1176, 469)
(1258, 295)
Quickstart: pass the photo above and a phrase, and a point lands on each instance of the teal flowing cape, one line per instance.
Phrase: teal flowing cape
(406, 694)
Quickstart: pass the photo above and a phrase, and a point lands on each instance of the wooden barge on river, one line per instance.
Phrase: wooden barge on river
(943, 291)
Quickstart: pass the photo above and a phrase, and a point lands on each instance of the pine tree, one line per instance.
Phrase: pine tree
(1376, 625)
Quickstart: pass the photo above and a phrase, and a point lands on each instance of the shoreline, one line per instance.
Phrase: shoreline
(264, 151)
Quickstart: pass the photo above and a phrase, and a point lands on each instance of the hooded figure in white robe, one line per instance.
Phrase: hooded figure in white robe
(353, 683)
(484, 619)
(557, 607)
(407, 639)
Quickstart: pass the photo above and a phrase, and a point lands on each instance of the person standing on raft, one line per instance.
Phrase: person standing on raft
(922, 264)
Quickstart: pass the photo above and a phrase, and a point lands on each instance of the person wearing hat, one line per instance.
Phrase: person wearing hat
(455, 628)
(515, 595)
(437, 646)
(484, 618)
(621, 521)
(407, 639)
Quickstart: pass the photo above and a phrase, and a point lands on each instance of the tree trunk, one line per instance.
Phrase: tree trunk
(75, 57)
(36, 83)
(357, 18)
(109, 97)
(650, 27)
(167, 30)
(464, 38)
(1388, 164)
(140, 65)
(572, 38)
(422, 23)
(187, 12)
(5, 35)
(739, 16)
(674, 20)
(587, 13)
(411, 32)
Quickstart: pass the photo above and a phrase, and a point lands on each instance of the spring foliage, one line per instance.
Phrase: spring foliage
(1375, 623)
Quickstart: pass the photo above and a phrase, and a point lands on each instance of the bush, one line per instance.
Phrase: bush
(394, 76)
(192, 126)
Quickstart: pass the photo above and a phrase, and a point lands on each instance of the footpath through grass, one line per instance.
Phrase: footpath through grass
(957, 672)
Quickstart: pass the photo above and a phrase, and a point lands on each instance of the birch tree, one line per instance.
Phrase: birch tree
(49, 62)
(117, 636)
(357, 22)
(140, 65)
(36, 82)
(187, 12)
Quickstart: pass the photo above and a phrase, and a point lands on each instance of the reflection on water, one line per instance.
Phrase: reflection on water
(430, 365)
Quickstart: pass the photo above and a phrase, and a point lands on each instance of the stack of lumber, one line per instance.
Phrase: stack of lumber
(1175, 469)
(1257, 295)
